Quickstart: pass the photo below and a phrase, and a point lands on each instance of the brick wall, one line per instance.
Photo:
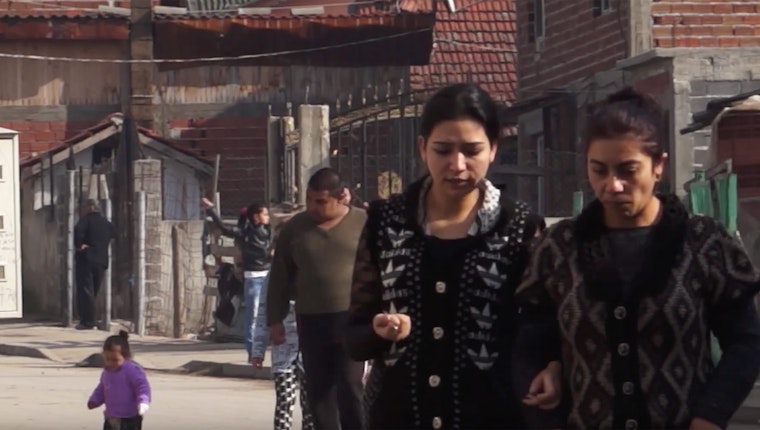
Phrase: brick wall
(576, 43)
(38, 136)
(242, 142)
(705, 23)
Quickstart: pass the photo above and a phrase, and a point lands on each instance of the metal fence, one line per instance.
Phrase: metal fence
(374, 149)
(374, 146)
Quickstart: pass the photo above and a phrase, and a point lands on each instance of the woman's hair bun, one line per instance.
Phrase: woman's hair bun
(630, 95)
(124, 334)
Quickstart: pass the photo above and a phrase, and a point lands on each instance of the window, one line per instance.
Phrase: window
(601, 6)
(536, 21)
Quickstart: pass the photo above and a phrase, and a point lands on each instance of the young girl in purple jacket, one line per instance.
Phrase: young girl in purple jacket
(123, 387)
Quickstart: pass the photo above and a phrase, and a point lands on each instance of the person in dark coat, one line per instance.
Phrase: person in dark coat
(92, 237)
(634, 286)
(253, 235)
(435, 271)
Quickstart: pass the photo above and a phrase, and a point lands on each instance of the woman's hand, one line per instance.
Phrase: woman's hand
(546, 389)
(393, 327)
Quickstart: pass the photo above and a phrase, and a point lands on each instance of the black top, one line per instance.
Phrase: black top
(255, 241)
(95, 231)
(454, 370)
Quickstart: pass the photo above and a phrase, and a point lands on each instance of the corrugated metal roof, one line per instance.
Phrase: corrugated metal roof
(215, 5)
(476, 43)
(59, 14)
(348, 41)
(87, 9)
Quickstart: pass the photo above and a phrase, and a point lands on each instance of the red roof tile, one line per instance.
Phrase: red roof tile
(476, 43)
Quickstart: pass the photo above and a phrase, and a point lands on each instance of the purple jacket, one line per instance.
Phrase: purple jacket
(122, 390)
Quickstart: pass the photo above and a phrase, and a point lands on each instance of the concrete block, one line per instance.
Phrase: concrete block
(724, 88)
(699, 104)
(702, 141)
(748, 86)
(314, 145)
(701, 158)
(698, 88)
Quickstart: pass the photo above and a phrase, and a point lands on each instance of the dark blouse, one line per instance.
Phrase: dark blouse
(635, 311)
(454, 370)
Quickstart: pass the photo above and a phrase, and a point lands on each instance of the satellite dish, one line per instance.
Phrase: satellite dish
(450, 6)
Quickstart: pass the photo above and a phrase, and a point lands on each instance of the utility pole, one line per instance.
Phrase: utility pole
(140, 104)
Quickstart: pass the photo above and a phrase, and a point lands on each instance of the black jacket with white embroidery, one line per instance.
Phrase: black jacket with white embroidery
(454, 370)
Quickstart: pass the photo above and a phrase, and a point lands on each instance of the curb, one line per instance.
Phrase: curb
(223, 370)
(28, 351)
(193, 368)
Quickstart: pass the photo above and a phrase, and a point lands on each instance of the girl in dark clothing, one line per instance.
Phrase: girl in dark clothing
(434, 277)
(253, 235)
(637, 284)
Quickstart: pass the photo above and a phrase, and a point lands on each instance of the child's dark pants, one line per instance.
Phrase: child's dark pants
(134, 423)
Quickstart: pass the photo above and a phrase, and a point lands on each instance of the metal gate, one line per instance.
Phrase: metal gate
(374, 146)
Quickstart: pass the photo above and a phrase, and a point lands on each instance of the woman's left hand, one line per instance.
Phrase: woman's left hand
(702, 424)
(546, 389)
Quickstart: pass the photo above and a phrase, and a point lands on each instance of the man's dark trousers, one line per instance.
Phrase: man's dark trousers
(89, 277)
(334, 380)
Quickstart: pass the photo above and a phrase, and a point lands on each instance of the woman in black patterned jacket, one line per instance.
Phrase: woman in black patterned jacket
(436, 269)
(637, 284)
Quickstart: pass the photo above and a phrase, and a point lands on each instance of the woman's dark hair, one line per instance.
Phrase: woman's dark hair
(629, 112)
(254, 209)
(242, 218)
(461, 101)
(121, 341)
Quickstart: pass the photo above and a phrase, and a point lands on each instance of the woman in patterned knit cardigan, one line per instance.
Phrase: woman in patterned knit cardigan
(637, 285)
(436, 268)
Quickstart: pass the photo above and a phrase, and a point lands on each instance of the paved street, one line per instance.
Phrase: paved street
(40, 395)
(51, 393)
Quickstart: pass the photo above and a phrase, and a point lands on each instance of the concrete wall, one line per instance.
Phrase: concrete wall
(698, 77)
(44, 237)
(702, 92)
(178, 298)
(174, 277)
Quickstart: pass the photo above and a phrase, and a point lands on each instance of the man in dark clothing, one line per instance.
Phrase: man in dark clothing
(314, 264)
(92, 236)
(253, 235)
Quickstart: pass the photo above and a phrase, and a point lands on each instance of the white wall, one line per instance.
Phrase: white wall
(10, 233)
